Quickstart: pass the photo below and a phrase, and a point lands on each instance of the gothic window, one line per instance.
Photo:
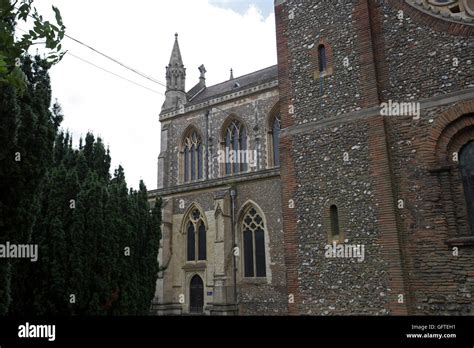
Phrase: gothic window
(196, 237)
(235, 148)
(334, 217)
(192, 157)
(466, 162)
(253, 236)
(275, 140)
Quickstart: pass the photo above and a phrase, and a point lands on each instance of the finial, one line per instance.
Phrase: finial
(176, 36)
(231, 74)
(202, 70)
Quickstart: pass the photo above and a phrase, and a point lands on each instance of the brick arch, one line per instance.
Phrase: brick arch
(461, 139)
(435, 149)
(435, 23)
(454, 137)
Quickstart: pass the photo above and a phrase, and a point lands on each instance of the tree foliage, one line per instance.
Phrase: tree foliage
(42, 31)
(97, 239)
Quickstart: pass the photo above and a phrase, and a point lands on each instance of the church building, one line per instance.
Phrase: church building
(339, 182)
(219, 179)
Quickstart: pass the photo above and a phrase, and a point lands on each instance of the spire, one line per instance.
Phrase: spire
(175, 71)
(175, 78)
(176, 53)
(231, 74)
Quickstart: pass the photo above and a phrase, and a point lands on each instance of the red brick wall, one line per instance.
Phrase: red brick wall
(286, 161)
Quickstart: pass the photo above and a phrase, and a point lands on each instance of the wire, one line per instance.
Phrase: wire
(112, 73)
(116, 61)
(108, 71)
(110, 58)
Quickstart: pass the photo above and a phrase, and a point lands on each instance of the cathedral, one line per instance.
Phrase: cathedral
(338, 182)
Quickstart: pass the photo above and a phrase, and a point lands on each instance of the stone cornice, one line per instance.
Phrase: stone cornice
(222, 98)
(215, 183)
(427, 103)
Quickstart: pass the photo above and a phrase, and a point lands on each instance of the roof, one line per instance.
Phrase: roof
(253, 79)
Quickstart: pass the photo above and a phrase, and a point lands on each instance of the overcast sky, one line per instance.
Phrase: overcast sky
(219, 34)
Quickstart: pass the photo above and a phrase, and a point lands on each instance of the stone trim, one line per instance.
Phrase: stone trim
(215, 183)
(173, 113)
(327, 222)
(353, 116)
(315, 59)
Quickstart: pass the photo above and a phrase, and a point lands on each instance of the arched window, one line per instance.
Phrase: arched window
(466, 163)
(334, 217)
(275, 140)
(253, 236)
(235, 148)
(192, 157)
(196, 236)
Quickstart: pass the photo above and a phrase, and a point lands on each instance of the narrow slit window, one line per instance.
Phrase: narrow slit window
(322, 58)
(334, 215)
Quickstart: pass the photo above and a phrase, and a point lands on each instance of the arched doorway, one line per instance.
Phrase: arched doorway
(467, 173)
(196, 295)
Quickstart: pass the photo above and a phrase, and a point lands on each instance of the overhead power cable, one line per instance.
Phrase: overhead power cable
(119, 63)
(111, 58)
(116, 61)
(112, 73)
(105, 70)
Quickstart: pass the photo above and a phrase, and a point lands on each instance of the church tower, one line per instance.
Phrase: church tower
(175, 79)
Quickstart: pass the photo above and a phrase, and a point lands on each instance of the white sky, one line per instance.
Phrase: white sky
(140, 33)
